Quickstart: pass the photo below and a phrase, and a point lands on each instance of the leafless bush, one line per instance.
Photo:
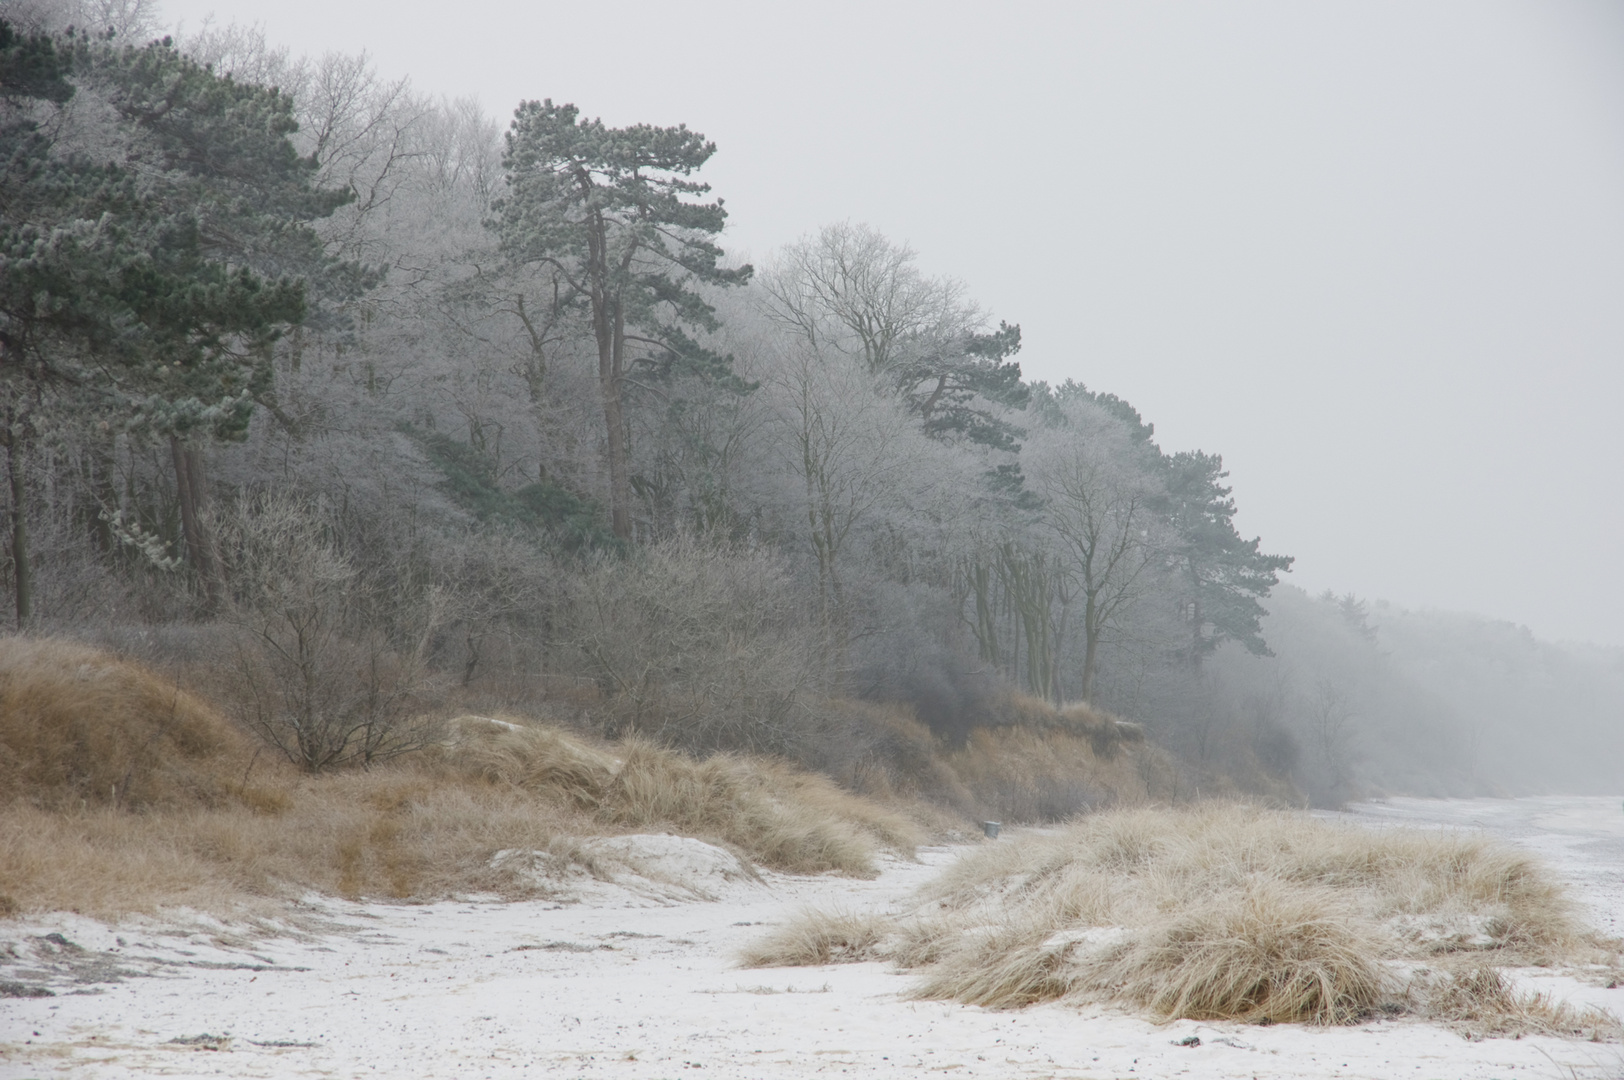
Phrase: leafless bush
(500, 596)
(315, 666)
(699, 645)
(879, 750)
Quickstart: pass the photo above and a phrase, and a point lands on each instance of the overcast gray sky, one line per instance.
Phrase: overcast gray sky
(1371, 252)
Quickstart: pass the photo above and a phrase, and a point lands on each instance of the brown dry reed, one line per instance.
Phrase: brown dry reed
(123, 793)
(1223, 912)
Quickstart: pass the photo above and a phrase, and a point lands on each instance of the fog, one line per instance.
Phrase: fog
(1371, 253)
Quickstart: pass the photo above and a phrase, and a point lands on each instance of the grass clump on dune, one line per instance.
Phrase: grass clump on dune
(1481, 1001)
(781, 817)
(384, 834)
(79, 728)
(818, 937)
(1229, 912)
(1266, 951)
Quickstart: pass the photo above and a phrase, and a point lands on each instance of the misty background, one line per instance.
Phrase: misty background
(1343, 279)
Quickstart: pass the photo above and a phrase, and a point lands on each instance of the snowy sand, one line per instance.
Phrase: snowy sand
(640, 983)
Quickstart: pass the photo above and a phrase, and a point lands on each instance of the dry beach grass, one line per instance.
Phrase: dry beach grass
(1481, 1001)
(819, 937)
(783, 818)
(1231, 912)
(119, 792)
(80, 728)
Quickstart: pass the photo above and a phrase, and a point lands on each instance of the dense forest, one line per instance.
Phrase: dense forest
(354, 403)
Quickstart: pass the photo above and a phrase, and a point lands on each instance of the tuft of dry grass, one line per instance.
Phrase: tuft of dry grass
(815, 938)
(1103, 867)
(1267, 952)
(1005, 966)
(79, 728)
(1480, 1002)
(1230, 912)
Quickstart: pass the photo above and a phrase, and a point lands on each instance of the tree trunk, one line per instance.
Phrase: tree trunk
(1197, 617)
(986, 620)
(103, 465)
(22, 568)
(192, 485)
(1092, 631)
(611, 362)
(1056, 691)
(1091, 654)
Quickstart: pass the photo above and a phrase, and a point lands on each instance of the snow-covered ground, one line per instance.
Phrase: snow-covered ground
(641, 983)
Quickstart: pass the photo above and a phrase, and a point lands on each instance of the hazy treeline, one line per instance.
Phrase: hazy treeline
(1538, 716)
(1377, 698)
(365, 383)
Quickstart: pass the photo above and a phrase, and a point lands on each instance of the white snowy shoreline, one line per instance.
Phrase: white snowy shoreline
(632, 988)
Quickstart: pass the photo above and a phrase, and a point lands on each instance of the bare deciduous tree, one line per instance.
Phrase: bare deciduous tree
(848, 446)
(850, 290)
(132, 20)
(700, 644)
(318, 675)
(1100, 509)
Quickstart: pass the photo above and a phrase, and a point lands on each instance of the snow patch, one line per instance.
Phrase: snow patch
(641, 870)
(470, 718)
(1460, 932)
(1091, 938)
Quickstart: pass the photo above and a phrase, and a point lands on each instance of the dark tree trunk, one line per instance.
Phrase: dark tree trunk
(611, 368)
(103, 465)
(191, 482)
(22, 568)
(1093, 629)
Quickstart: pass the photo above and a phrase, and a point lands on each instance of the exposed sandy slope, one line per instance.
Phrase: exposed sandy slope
(639, 983)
